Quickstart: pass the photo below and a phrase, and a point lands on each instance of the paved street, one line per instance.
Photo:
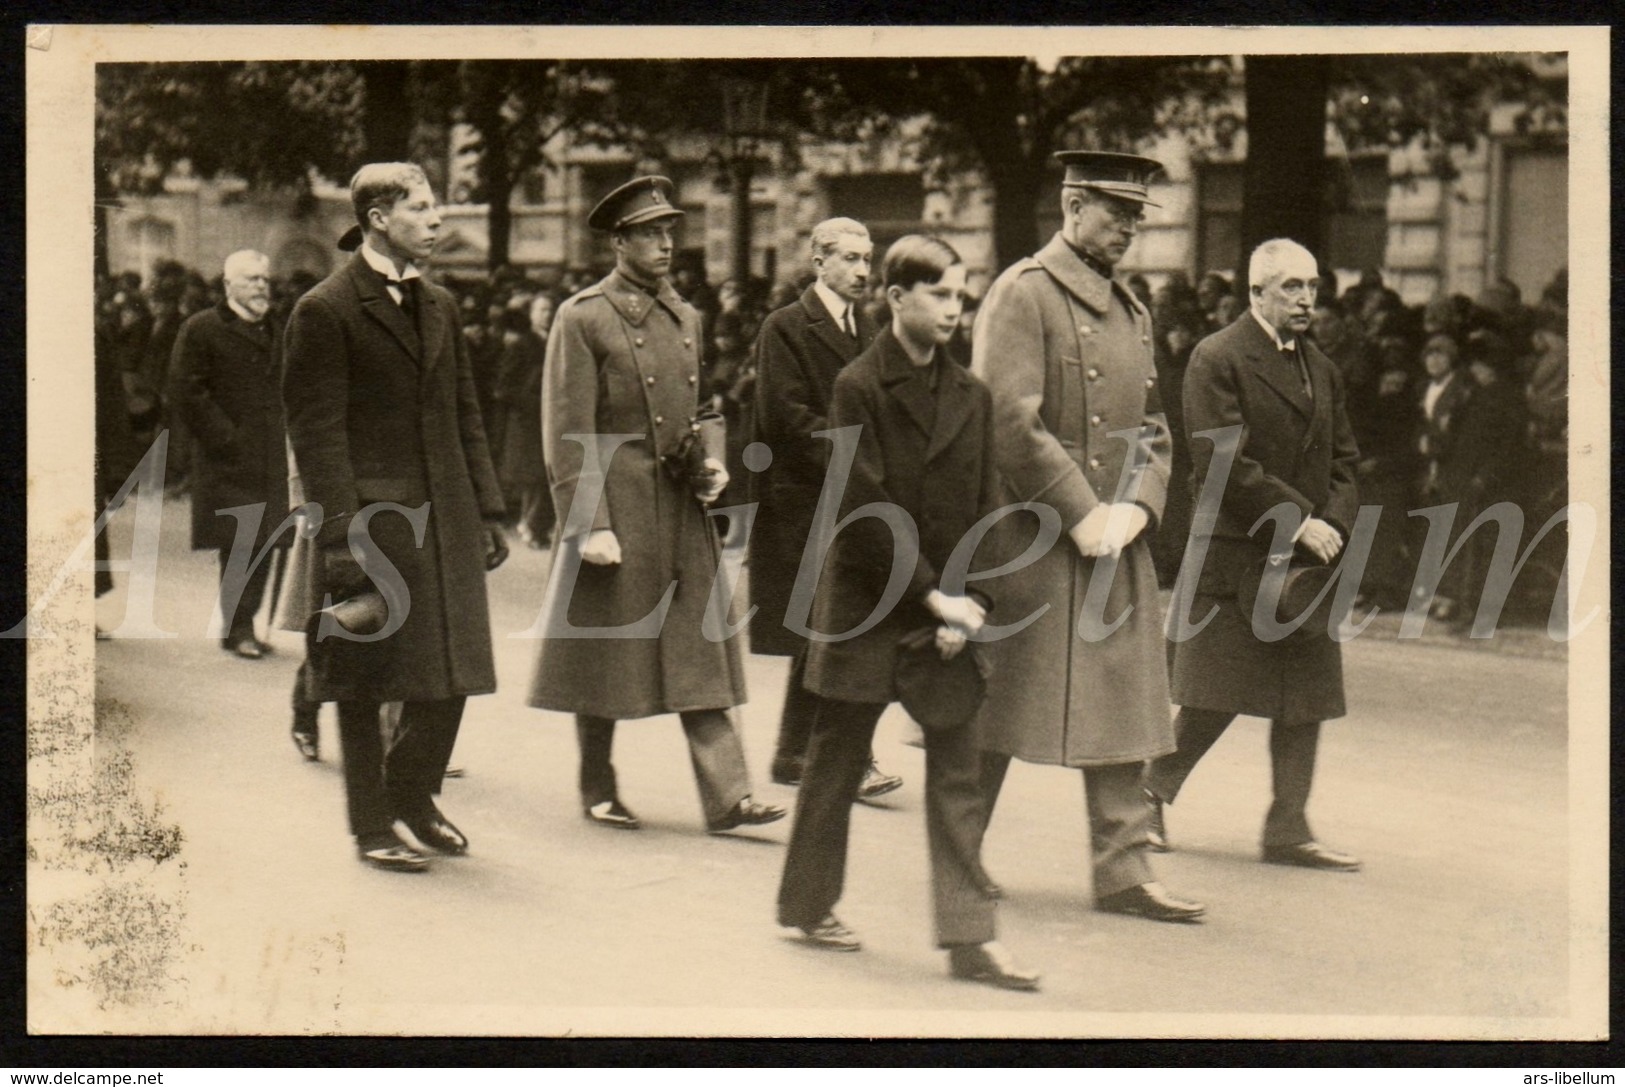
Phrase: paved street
(1449, 778)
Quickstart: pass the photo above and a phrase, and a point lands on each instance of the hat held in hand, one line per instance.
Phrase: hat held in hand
(364, 613)
(939, 694)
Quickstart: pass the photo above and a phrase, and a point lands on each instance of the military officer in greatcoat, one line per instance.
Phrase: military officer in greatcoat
(632, 624)
(1080, 436)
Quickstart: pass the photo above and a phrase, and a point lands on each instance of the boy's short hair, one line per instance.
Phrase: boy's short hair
(917, 258)
(380, 185)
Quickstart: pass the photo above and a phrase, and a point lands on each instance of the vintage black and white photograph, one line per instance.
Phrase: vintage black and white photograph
(844, 532)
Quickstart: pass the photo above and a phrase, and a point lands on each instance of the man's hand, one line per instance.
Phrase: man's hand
(1321, 539)
(962, 612)
(601, 548)
(1089, 534)
(716, 476)
(496, 546)
(342, 576)
(1125, 521)
(950, 641)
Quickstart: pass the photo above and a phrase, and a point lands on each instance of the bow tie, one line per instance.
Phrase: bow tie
(1290, 349)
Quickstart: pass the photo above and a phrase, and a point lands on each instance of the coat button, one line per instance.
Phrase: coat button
(1094, 462)
(1145, 339)
(693, 380)
(1085, 329)
(638, 341)
(649, 380)
(1150, 381)
(1094, 420)
(1094, 374)
(659, 419)
(687, 342)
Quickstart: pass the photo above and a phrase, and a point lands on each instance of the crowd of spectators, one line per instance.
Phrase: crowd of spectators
(1461, 400)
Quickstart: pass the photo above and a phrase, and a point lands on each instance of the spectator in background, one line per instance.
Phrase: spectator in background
(1386, 425)
(520, 465)
(1139, 287)
(1481, 465)
(958, 347)
(731, 381)
(1177, 323)
(1212, 288)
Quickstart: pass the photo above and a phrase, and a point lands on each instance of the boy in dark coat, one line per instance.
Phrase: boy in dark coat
(924, 447)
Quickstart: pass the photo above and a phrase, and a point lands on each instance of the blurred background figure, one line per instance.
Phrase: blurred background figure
(519, 460)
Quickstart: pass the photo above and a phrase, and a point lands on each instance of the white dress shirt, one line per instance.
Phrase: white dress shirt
(386, 268)
(838, 307)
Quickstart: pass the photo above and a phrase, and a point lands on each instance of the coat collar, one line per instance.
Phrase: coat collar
(261, 334)
(1276, 370)
(376, 302)
(831, 335)
(1091, 288)
(955, 392)
(634, 304)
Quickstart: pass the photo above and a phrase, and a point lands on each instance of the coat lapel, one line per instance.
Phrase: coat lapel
(956, 399)
(375, 300)
(259, 335)
(1091, 288)
(1272, 368)
(896, 377)
(827, 332)
(433, 324)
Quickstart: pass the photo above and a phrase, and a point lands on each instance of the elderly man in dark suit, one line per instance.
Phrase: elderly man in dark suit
(384, 421)
(636, 549)
(800, 349)
(229, 362)
(1263, 384)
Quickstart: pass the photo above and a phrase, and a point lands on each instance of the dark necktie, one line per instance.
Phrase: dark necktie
(409, 298)
(1291, 355)
(846, 322)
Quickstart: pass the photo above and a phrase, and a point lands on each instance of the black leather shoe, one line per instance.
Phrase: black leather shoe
(1153, 902)
(265, 647)
(831, 935)
(1156, 836)
(747, 813)
(876, 784)
(247, 648)
(394, 856)
(990, 964)
(1311, 855)
(786, 772)
(306, 742)
(612, 813)
(437, 832)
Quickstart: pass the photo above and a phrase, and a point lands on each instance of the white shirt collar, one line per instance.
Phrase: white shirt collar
(1267, 327)
(244, 313)
(833, 302)
(384, 266)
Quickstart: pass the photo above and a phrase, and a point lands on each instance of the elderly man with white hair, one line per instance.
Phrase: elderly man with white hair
(1264, 408)
(229, 363)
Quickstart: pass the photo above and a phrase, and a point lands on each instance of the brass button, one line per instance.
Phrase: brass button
(1094, 420)
(687, 342)
(649, 380)
(638, 341)
(1093, 374)
(1150, 381)
(1094, 462)
(1145, 339)
(692, 380)
(1085, 329)
(659, 419)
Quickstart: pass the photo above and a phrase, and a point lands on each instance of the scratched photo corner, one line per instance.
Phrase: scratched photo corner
(490, 429)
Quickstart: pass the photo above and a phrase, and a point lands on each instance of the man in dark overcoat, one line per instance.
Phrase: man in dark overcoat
(1264, 383)
(1080, 432)
(636, 548)
(229, 363)
(799, 351)
(384, 423)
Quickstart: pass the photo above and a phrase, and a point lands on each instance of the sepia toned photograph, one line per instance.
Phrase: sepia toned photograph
(828, 532)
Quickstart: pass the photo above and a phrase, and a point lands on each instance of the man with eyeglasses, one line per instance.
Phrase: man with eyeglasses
(629, 627)
(1080, 436)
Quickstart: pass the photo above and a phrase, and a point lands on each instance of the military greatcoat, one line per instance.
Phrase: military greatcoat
(623, 362)
(1078, 421)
